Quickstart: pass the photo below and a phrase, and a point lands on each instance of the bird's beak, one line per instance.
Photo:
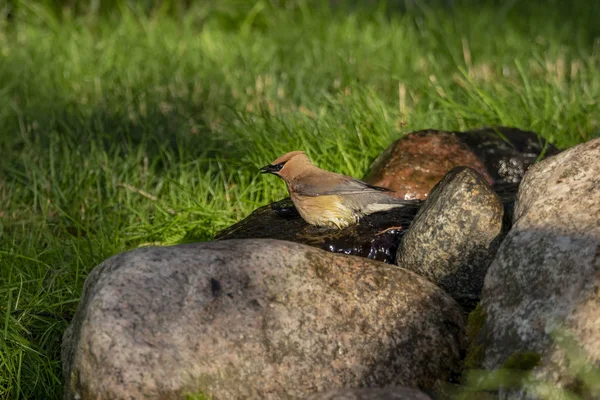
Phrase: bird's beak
(268, 169)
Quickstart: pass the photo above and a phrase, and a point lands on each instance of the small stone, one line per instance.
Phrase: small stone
(151, 324)
(453, 238)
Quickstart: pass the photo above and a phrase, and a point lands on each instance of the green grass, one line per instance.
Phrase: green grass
(133, 128)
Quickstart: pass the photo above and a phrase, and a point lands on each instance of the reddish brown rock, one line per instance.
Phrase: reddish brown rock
(412, 165)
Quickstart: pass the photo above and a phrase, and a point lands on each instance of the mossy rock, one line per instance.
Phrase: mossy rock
(525, 361)
(475, 349)
(475, 322)
(474, 357)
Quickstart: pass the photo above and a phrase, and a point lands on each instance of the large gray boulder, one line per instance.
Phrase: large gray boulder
(545, 279)
(255, 319)
(454, 237)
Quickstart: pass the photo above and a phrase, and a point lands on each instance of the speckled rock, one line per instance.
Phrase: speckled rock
(255, 319)
(453, 238)
(546, 275)
(392, 393)
(412, 165)
(376, 236)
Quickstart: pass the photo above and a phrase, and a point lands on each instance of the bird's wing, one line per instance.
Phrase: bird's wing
(333, 184)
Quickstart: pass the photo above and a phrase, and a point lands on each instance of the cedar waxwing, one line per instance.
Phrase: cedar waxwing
(325, 198)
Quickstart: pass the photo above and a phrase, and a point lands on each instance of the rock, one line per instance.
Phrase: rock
(255, 319)
(507, 154)
(376, 236)
(453, 238)
(546, 275)
(413, 164)
(392, 393)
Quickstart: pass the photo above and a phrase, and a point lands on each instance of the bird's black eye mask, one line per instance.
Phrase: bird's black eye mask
(272, 169)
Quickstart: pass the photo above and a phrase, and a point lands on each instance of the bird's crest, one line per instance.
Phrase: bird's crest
(288, 156)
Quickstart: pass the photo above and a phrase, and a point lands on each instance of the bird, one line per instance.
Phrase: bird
(328, 199)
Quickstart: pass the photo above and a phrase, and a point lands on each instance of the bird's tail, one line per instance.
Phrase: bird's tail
(391, 200)
(385, 202)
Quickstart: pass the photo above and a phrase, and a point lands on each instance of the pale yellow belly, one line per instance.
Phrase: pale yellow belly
(324, 211)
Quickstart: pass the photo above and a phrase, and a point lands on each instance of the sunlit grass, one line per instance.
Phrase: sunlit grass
(130, 129)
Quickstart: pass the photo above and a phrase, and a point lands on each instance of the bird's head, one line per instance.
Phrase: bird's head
(288, 166)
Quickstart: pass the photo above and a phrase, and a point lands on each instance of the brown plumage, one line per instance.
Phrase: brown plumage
(325, 198)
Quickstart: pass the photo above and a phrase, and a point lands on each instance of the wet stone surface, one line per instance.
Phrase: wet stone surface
(376, 237)
(507, 153)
